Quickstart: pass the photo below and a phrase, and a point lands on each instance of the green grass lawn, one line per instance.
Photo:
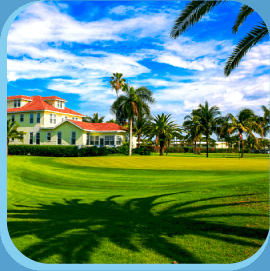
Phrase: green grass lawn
(120, 209)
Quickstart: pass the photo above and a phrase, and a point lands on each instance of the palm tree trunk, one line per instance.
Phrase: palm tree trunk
(130, 137)
(7, 145)
(207, 146)
(139, 141)
(162, 144)
(195, 147)
(242, 156)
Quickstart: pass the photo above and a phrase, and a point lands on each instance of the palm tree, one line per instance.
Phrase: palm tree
(12, 132)
(134, 103)
(208, 119)
(193, 128)
(141, 127)
(94, 119)
(244, 122)
(195, 10)
(264, 120)
(117, 82)
(164, 128)
(111, 121)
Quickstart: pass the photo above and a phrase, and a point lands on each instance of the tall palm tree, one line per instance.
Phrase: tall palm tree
(244, 123)
(209, 120)
(12, 132)
(94, 119)
(117, 82)
(134, 103)
(193, 128)
(195, 10)
(164, 128)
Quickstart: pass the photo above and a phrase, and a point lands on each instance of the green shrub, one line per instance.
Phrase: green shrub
(123, 149)
(142, 151)
(41, 150)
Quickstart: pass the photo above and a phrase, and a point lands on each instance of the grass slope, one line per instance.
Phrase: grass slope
(137, 209)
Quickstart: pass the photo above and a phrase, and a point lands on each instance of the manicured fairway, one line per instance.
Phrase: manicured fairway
(153, 209)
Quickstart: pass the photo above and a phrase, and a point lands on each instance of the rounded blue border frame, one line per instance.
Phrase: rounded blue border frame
(12, 259)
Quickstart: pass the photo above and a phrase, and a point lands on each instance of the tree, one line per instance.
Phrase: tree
(243, 122)
(12, 132)
(94, 119)
(164, 128)
(208, 119)
(134, 103)
(117, 82)
(193, 128)
(195, 10)
(111, 121)
(264, 120)
(141, 127)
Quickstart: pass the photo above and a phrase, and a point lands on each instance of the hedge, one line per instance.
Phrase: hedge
(40, 150)
(142, 151)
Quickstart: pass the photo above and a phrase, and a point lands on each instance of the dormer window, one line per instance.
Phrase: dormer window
(17, 103)
(59, 104)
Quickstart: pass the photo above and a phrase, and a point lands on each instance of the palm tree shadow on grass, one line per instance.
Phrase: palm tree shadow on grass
(73, 230)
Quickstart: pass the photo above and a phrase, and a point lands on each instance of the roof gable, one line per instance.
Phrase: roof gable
(38, 103)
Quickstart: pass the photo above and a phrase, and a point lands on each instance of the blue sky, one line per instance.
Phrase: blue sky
(70, 49)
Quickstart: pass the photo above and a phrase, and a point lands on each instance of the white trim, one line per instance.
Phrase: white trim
(64, 113)
(19, 99)
(71, 138)
(62, 100)
(94, 131)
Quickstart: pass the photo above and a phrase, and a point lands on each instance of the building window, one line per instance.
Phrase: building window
(12, 139)
(12, 118)
(88, 139)
(21, 117)
(54, 119)
(73, 138)
(15, 103)
(76, 118)
(31, 120)
(109, 140)
(66, 117)
(96, 140)
(51, 119)
(118, 140)
(38, 117)
(61, 104)
(38, 138)
(58, 104)
(73, 118)
(92, 140)
(19, 103)
(59, 138)
(31, 138)
(49, 136)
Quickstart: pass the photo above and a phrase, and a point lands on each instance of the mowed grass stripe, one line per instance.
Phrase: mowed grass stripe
(62, 213)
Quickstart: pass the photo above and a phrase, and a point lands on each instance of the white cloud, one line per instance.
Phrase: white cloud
(121, 10)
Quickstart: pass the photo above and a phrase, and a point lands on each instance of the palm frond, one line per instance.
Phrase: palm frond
(191, 14)
(244, 45)
(245, 11)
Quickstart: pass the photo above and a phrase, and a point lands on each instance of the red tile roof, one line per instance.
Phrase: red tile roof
(98, 126)
(19, 97)
(38, 104)
(53, 98)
